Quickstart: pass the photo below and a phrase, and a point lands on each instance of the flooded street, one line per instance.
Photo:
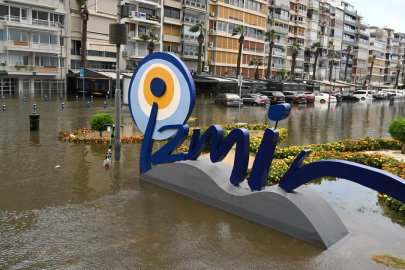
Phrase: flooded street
(59, 209)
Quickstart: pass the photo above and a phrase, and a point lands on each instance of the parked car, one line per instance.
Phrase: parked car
(295, 97)
(398, 93)
(391, 95)
(324, 98)
(229, 100)
(337, 95)
(347, 96)
(275, 97)
(310, 97)
(255, 100)
(363, 94)
(379, 95)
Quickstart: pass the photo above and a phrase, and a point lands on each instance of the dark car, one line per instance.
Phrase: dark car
(275, 97)
(229, 100)
(337, 95)
(347, 96)
(295, 97)
(255, 100)
(310, 97)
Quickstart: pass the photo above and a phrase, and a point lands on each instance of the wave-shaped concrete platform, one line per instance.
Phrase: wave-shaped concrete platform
(303, 213)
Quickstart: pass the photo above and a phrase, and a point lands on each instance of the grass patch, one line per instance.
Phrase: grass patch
(389, 260)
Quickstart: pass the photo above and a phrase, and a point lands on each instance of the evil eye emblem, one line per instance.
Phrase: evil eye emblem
(163, 79)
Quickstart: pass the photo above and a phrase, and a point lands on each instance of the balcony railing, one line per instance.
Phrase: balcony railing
(193, 20)
(279, 53)
(194, 4)
(235, 3)
(29, 69)
(362, 32)
(246, 49)
(255, 36)
(278, 16)
(280, 42)
(138, 53)
(25, 20)
(349, 19)
(192, 53)
(278, 29)
(313, 17)
(278, 4)
(31, 45)
(250, 7)
(278, 65)
(347, 29)
(303, 1)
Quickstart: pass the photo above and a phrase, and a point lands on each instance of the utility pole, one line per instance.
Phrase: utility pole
(118, 35)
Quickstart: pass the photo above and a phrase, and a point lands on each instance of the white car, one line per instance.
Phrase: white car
(324, 98)
(363, 94)
(398, 93)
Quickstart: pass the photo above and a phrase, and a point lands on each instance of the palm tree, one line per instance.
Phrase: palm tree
(270, 36)
(198, 27)
(398, 67)
(151, 38)
(256, 62)
(372, 58)
(295, 48)
(348, 50)
(366, 79)
(239, 30)
(85, 17)
(317, 47)
(281, 73)
(331, 55)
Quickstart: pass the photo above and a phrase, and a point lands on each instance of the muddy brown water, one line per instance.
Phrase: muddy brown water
(59, 209)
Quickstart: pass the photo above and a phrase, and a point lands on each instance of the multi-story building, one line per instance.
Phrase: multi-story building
(360, 51)
(378, 47)
(296, 33)
(390, 65)
(224, 16)
(146, 15)
(278, 20)
(32, 49)
(397, 53)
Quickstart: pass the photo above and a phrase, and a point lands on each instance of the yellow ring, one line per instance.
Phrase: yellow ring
(164, 100)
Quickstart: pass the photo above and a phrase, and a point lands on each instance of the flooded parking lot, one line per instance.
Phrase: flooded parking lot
(60, 209)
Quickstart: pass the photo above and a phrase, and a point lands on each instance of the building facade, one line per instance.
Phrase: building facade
(378, 48)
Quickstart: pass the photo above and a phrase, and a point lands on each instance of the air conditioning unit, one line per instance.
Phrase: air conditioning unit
(197, 21)
(193, 4)
(185, 53)
(203, 6)
(211, 44)
(186, 36)
(210, 63)
(186, 19)
(192, 20)
(211, 32)
(212, 14)
(206, 69)
(124, 54)
(198, 5)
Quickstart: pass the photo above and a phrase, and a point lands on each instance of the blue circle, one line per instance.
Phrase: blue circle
(158, 87)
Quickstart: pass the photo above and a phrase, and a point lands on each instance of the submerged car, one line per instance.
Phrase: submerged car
(229, 100)
(337, 95)
(324, 98)
(310, 97)
(255, 100)
(295, 97)
(347, 96)
(275, 97)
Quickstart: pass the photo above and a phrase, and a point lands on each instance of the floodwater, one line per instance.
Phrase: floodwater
(59, 209)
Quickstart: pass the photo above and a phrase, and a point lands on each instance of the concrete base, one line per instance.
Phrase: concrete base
(303, 213)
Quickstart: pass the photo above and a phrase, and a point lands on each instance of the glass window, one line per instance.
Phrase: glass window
(167, 12)
(54, 39)
(15, 60)
(25, 59)
(15, 11)
(166, 48)
(35, 14)
(44, 38)
(62, 62)
(3, 34)
(14, 35)
(43, 15)
(44, 61)
(24, 36)
(24, 13)
(3, 10)
(35, 38)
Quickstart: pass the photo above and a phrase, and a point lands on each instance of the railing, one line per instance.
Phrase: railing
(185, 36)
(278, 65)
(278, 16)
(277, 29)
(29, 68)
(32, 45)
(348, 39)
(349, 19)
(313, 5)
(362, 32)
(350, 9)
(45, 2)
(281, 42)
(299, 33)
(363, 41)
(302, 1)
(193, 20)
(347, 29)
(256, 36)
(235, 3)
(300, 22)
(24, 20)
(195, 4)
(302, 12)
(252, 50)
(192, 53)
(250, 7)
(138, 53)
(154, 1)
(313, 17)
(278, 4)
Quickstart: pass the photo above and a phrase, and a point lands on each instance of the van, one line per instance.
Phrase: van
(363, 94)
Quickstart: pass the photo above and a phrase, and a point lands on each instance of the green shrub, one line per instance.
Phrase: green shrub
(397, 131)
(99, 120)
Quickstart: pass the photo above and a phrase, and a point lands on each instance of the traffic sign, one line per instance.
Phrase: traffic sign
(81, 73)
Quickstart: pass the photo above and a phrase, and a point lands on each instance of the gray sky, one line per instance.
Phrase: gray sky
(382, 12)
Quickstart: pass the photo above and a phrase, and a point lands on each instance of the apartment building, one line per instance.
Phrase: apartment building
(361, 49)
(390, 65)
(32, 47)
(278, 20)
(397, 55)
(349, 37)
(296, 33)
(224, 16)
(377, 47)
(145, 15)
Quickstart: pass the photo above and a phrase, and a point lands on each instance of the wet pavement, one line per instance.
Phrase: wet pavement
(79, 216)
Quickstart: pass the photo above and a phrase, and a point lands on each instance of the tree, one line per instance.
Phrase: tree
(317, 47)
(85, 17)
(239, 30)
(371, 58)
(99, 120)
(366, 79)
(397, 131)
(198, 27)
(256, 62)
(281, 73)
(398, 67)
(151, 38)
(270, 36)
(295, 48)
(348, 50)
(331, 55)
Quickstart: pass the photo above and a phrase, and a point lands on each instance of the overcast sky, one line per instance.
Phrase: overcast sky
(382, 13)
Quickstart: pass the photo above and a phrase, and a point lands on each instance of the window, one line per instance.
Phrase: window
(14, 35)
(75, 47)
(62, 62)
(54, 39)
(172, 13)
(3, 34)
(35, 38)
(111, 54)
(3, 11)
(14, 11)
(24, 36)
(147, 11)
(44, 39)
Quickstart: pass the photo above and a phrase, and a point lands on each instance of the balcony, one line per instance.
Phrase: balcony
(302, 12)
(37, 24)
(30, 70)
(194, 4)
(15, 45)
(313, 5)
(299, 34)
(349, 19)
(278, 16)
(255, 36)
(304, 2)
(313, 17)
(138, 53)
(252, 50)
(192, 54)
(278, 4)
(362, 32)
(155, 3)
(252, 8)
(348, 40)
(193, 20)
(189, 37)
(52, 4)
(279, 53)
(143, 17)
(280, 42)
(350, 30)
(277, 29)
(350, 9)
(278, 65)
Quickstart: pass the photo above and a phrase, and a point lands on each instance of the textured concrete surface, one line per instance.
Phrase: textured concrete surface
(303, 213)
